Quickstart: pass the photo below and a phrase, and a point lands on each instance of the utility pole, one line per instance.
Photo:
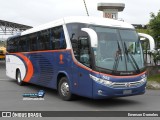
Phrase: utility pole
(86, 7)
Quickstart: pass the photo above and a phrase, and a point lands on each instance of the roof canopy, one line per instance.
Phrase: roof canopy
(8, 28)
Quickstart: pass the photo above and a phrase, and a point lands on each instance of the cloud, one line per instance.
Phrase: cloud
(35, 12)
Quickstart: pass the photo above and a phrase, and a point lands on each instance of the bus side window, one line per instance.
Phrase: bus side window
(22, 47)
(84, 51)
(80, 43)
(33, 42)
(9, 45)
(44, 40)
(14, 45)
(58, 38)
(75, 48)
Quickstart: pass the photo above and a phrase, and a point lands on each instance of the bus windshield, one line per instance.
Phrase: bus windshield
(118, 49)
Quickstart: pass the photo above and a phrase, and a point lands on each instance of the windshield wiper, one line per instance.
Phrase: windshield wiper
(118, 55)
(135, 65)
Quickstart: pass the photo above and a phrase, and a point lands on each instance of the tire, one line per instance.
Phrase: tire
(64, 89)
(18, 78)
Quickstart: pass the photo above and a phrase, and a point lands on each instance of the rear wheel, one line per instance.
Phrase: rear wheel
(19, 79)
(64, 89)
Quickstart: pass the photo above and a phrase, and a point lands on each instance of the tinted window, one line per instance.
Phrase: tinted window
(57, 38)
(80, 42)
(22, 46)
(33, 42)
(9, 45)
(44, 40)
(12, 45)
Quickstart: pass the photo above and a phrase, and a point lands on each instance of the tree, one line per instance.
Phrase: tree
(154, 26)
(146, 31)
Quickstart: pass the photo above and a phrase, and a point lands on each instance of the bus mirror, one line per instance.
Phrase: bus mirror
(93, 36)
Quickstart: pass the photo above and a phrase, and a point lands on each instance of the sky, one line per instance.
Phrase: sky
(36, 12)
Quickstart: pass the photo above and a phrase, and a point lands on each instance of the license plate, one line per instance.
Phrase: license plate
(127, 92)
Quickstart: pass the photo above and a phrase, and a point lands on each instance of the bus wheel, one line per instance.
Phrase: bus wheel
(64, 90)
(19, 79)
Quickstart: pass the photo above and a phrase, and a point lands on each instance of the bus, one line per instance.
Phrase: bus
(93, 57)
(2, 52)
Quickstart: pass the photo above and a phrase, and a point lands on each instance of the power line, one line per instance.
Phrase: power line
(86, 7)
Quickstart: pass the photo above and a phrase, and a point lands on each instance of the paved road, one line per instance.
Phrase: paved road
(11, 99)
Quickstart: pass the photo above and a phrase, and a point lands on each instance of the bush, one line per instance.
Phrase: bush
(156, 56)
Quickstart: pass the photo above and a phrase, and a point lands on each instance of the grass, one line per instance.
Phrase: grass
(154, 78)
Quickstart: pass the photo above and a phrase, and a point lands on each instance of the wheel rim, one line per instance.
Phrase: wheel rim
(19, 78)
(65, 89)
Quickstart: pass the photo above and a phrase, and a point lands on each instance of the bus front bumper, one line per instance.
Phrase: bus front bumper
(102, 92)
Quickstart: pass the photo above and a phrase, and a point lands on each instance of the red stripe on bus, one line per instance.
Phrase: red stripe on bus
(30, 70)
(60, 50)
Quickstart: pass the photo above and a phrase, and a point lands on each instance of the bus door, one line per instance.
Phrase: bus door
(82, 81)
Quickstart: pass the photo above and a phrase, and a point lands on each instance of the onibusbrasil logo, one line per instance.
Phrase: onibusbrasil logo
(34, 96)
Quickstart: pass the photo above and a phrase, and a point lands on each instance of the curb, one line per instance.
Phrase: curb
(153, 85)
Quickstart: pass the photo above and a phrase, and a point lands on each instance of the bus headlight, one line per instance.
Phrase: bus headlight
(101, 81)
(143, 80)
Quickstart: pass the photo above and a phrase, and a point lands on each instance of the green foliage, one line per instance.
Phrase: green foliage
(154, 27)
(156, 56)
(154, 78)
(146, 31)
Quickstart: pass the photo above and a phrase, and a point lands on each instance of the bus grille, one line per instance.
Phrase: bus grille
(126, 84)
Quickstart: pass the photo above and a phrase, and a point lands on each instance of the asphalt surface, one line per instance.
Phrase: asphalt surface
(11, 100)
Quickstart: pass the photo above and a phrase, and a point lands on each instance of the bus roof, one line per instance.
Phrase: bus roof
(80, 19)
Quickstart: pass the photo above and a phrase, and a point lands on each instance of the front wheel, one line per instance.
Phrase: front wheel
(19, 79)
(64, 89)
